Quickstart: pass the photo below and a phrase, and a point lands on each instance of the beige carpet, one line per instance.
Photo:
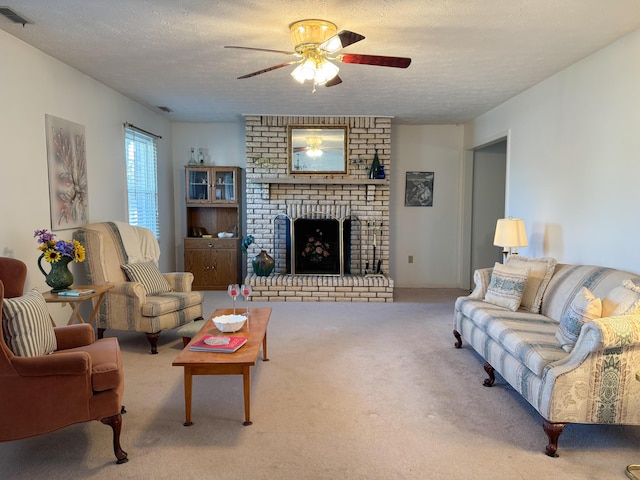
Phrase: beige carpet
(352, 391)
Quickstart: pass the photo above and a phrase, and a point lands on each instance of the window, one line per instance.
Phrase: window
(142, 179)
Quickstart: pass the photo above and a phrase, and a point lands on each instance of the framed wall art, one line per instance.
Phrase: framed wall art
(419, 189)
(67, 164)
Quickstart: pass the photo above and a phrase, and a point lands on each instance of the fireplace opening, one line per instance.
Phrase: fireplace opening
(321, 246)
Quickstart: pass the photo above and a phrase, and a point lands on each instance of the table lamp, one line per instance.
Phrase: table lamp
(510, 234)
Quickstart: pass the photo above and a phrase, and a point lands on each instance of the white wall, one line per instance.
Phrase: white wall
(430, 234)
(34, 84)
(574, 166)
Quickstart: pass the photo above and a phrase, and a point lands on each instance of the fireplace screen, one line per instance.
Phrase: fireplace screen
(316, 242)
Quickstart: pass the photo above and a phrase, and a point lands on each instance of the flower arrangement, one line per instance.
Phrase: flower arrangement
(316, 250)
(53, 250)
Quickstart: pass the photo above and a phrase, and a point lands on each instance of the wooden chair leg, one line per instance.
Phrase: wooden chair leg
(153, 341)
(115, 422)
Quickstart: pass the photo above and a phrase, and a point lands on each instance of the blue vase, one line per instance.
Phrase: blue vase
(381, 174)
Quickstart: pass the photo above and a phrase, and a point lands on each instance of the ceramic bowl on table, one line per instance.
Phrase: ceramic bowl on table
(225, 235)
(229, 323)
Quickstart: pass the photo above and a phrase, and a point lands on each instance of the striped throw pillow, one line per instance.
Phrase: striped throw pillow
(148, 274)
(27, 326)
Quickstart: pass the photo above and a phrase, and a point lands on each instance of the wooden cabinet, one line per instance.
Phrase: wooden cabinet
(213, 206)
(213, 262)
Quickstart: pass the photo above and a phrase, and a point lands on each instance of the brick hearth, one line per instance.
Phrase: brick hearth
(313, 288)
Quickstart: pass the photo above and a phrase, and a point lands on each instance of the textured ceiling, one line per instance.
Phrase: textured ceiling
(468, 55)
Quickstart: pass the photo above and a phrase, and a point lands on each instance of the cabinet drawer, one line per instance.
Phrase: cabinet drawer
(218, 243)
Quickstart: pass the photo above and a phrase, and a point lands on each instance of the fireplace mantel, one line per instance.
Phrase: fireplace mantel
(370, 184)
(318, 181)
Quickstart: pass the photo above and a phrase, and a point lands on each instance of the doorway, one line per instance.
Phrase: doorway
(488, 197)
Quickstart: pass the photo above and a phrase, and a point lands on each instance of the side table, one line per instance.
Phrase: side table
(75, 302)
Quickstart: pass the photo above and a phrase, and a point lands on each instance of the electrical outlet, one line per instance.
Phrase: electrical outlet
(410, 258)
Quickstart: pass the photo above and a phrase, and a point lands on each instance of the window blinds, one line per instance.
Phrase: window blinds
(142, 180)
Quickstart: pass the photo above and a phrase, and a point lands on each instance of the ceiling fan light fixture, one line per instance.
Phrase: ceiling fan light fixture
(311, 32)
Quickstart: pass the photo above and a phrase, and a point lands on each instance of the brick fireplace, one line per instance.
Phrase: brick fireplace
(276, 200)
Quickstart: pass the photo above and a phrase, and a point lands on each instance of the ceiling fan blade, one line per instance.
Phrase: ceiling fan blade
(334, 81)
(260, 49)
(342, 39)
(265, 70)
(378, 60)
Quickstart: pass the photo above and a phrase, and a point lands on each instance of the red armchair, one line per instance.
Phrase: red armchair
(81, 381)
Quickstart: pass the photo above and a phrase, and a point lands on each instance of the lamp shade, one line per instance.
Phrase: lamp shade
(510, 232)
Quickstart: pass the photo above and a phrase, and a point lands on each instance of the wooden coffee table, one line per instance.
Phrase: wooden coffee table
(237, 363)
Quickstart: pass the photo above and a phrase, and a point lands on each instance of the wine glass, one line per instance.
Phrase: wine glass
(233, 291)
(245, 290)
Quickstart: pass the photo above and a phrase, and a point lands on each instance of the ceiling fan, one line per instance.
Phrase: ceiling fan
(316, 43)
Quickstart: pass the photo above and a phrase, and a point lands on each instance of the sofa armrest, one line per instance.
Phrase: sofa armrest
(595, 382)
(71, 363)
(180, 281)
(72, 336)
(133, 291)
(481, 278)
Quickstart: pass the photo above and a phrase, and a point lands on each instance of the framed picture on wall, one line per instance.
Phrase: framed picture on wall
(67, 164)
(419, 189)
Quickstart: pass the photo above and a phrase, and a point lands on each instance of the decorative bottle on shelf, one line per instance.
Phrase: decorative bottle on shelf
(381, 174)
(192, 158)
(201, 157)
(375, 166)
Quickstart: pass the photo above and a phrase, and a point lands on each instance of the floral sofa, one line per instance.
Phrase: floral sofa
(566, 337)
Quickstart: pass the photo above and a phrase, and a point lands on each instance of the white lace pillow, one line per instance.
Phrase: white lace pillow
(507, 286)
(621, 299)
(540, 272)
(584, 308)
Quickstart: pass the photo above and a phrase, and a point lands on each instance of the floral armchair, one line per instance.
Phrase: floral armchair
(143, 299)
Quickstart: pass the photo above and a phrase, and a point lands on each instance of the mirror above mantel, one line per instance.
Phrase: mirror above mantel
(317, 149)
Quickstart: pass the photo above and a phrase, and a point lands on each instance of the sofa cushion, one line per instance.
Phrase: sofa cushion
(567, 281)
(148, 274)
(27, 326)
(540, 272)
(584, 308)
(528, 337)
(157, 305)
(507, 286)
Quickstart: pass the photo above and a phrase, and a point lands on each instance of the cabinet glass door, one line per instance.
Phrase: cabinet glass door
(198, 185)
(225, 182)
